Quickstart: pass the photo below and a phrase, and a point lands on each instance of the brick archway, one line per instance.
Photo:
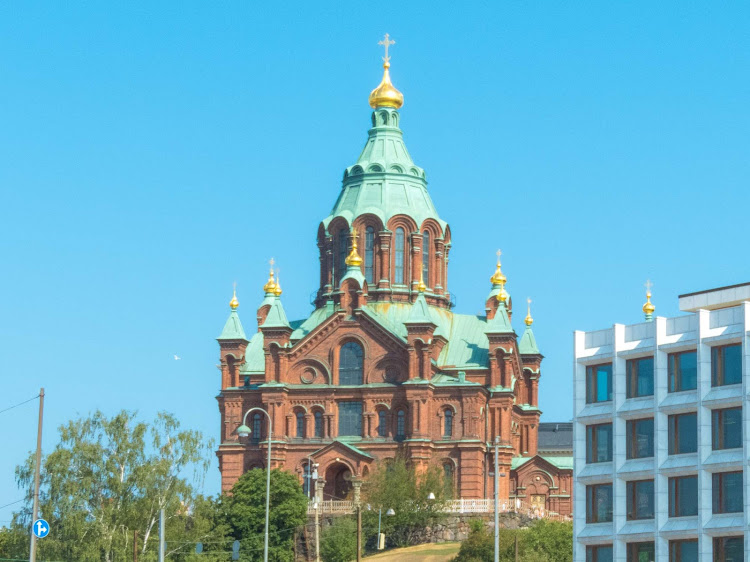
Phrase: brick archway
(338, 482)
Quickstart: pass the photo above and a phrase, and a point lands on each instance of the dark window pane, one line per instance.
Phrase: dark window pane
(683, 434)
(599, 443)
(599, 383)
(726, 428)
(727, 492)
(599, 503)
(640, 500)
(733, 364)
(729, 549)
(640, 377)
(602, 553)
(640, 438)
(382, 427)
(401, 424)
(448, 429)
(683, 496)
(641, 552)
(342, 251)
(300, 424)
(426, 253)
(683, 551)
(688, 370)
(350, 418)
(370, 254)
(318, 424)
(351, 360)
(398, 275)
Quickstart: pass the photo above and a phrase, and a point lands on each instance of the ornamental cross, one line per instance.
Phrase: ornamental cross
(386, 42)
(272, 262)
(499, 253)
(648, 284)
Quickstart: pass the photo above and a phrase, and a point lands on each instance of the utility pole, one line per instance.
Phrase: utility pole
(319, 484)
(161, 535)
(357, 483)
(37, 468)
(135, 546)
(497, 507)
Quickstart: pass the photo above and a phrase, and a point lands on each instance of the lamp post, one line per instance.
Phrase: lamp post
(381, 538)
(244, 431)
(497, 499)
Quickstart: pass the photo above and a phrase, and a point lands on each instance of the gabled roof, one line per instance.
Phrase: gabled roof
(338, 443)
(420, 312)
(276, 317)
(233, 328)
(500, 323)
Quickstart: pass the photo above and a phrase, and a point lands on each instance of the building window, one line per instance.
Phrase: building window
(726, 365)
(370, 255)
(300, 424)
(306, 479)
(599, 553)
(639, 438)
(726, 428)
(426, 257)
(342, 251)
(683, 433)
(448, 478)
(448, 423)
(729, 549)
(257, 428)
(599, 383)
(599, 443)
(318, 424)
(640, 499)
(350, 418)
(640, 552)
(599, 503)
(683, 371)
(400, 424)
(398, 273)
(727, 492)
(683, 551)
(382, 423)
(640, 377)
(351, 364)
(683, 496)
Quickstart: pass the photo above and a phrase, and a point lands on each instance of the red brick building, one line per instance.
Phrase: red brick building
(383, 365)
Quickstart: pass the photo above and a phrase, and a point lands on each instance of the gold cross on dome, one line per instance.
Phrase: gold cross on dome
(272, 262)
(648, 284)
(499, 253)
(386, 42)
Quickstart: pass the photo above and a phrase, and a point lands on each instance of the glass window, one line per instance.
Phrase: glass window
(351, 364)
(683, 551)
(300, 424)
(448, 478)
(306, 479)
(641, 552)
(683, 433)
(398, 273)
(640, 377)
(599, 443)
(599, 503)
(448, 423)
(400, 424)
(370, 255)
(340, 266)
(599, 383)
(683, 371)
(727, 492)
(639, 438)
(683, 496)
(426, 246)
(350, 418)
(640, 499)
(318, 424)
(726, 365)
(599, 553)
(726, 428)
(382, 423)
(257, 428)
(729, 549)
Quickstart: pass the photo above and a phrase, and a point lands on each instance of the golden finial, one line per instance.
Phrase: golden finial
(234, 303)
(498, 278)
(386, 95)
(529, 320)
(353, 257)
(648, 307)
(277, 290)
(421, 287)
(270, 285)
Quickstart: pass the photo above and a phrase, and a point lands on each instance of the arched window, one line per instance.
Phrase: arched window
(398, 274)
(448, 423)
(426, 251)
(370, 255)
(382, 423)
(448, 478)
(257, 428)
(342, 250)
(318, 424)
(306, 479)
(351, 364)
(300, 424)
(400, 424)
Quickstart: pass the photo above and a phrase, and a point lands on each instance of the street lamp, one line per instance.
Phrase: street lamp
(244, 431)
(389, 513)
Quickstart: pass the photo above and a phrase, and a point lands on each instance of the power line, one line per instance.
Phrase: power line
(11, 503)
(19, 404)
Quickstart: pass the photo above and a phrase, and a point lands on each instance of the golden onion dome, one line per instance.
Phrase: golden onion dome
(421, 287)
(648, 306)
(386, 94)
(498, 278)
(353, 258)
(528, 320)
(277, 290)
(234, 303)
(502, 296)
(270, 285)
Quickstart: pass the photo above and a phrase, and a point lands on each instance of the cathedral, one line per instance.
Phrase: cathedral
(383, 366)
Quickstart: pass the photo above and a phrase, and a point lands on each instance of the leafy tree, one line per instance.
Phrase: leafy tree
(552, 538)
(245, 511)
(339, 542)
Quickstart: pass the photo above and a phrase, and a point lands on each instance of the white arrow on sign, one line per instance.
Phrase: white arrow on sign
(40, 528)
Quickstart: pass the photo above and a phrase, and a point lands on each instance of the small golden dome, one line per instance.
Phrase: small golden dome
(502, 296)
(386, 94)
(528, 320)
(498, 278)
(421, 287)
(277, 290)
(234, 303)
(270, 285)
(353, 258)
(648, 306)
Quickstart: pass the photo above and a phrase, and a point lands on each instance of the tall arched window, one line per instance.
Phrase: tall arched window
(382, 423)
(448, 478)
(257, 428)
(318, 424)
(400, 424)
(398, 274)
(448, 423)
(370, 255)
(351, 364)
(306, 479)
(426, 252)
(342, 250)
(300, 424)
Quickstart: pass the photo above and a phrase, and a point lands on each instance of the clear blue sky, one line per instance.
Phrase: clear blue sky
(153, 153)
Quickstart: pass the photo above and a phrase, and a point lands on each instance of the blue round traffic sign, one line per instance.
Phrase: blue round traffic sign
(40, 528)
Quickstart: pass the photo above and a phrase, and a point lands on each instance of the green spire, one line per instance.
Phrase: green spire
(500, 323)
(420, 312)
(527, 345)
(233, 328)
(276, 317)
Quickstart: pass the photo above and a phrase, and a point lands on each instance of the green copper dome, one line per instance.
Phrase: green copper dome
(384, 181)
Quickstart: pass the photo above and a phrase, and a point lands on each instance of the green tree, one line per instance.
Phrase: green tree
(339, 542)
(551, 538)
(245, 511)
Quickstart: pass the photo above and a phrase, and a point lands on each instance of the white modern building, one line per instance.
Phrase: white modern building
(661, 426)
